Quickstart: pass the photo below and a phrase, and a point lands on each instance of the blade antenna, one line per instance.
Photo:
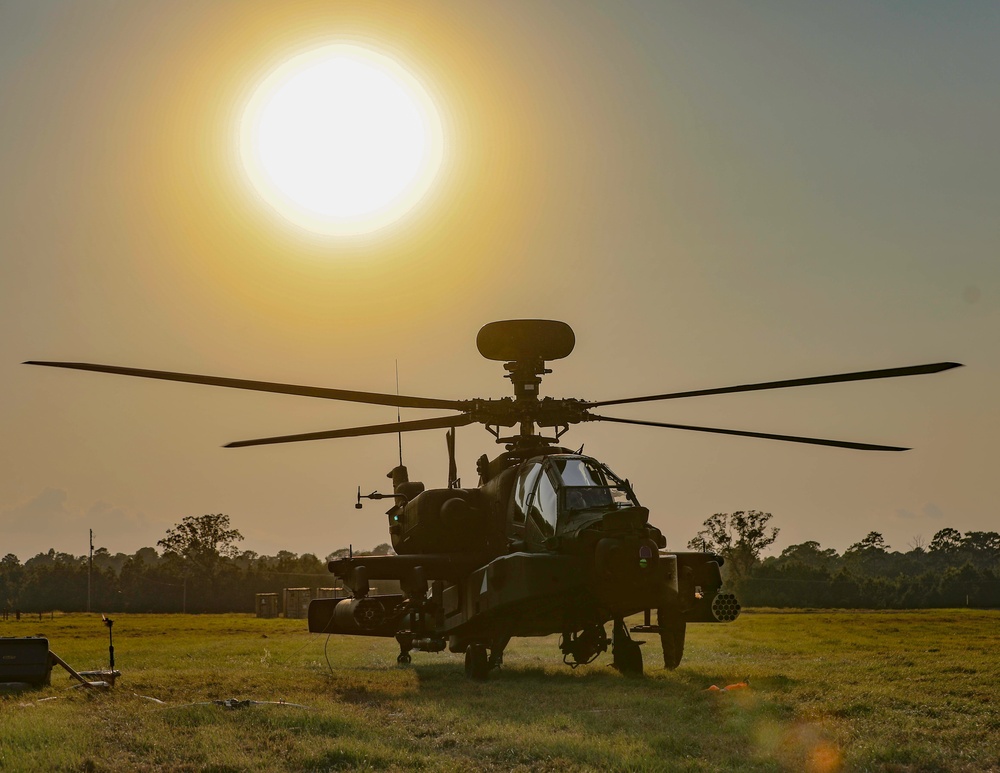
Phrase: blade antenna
(399, 435)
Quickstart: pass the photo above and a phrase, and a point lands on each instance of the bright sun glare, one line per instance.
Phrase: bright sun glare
(341, 140)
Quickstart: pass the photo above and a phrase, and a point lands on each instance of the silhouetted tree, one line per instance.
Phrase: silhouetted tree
(11, 576)
(199, 552)
(874, 542)
(203, 539)
(808, 554)
(870, 557)
(147, 556)
(981, 549)
(738, 537)
(946, 541)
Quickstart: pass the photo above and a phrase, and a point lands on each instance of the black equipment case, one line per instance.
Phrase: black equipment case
(25, 659)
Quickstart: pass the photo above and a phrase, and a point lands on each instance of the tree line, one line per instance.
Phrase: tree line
(953, 570)
(198, 567)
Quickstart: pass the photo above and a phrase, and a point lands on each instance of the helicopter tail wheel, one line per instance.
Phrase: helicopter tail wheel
(625, 652)
(672, 630)
(477, 662)
(405, 641)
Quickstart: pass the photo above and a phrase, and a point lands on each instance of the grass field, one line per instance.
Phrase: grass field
(893, 691)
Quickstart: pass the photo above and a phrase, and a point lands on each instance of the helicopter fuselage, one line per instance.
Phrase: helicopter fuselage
(555, 543)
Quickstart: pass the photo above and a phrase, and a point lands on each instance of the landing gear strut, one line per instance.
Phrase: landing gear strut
(477, 663)
(672, 629)
(496, 652)
(627, 657)
(581, 648)
(405, 645)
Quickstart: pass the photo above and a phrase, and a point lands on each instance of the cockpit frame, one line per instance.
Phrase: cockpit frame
(553, 492)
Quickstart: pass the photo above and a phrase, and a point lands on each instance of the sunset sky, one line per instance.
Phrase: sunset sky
(708, 193)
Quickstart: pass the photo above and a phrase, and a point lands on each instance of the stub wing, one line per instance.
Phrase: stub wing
(410, 571)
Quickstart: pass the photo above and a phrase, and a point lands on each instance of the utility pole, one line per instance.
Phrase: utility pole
(90, 567)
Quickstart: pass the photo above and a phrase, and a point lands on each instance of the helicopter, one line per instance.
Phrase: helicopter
(551, 541)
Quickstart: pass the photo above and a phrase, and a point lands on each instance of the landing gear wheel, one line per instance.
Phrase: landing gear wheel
(628, 658)
(477, 663)
(672, 640)
(625, 652)
(405, 641)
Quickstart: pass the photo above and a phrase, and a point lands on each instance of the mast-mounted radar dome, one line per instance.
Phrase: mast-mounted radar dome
(525, 339)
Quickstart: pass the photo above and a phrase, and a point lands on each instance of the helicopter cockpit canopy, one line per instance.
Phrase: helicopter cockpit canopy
(555, 490)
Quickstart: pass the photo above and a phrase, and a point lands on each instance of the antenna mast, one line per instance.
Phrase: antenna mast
(90, 567)
(399, 435)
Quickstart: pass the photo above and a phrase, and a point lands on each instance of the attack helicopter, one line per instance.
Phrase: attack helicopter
(551, 541)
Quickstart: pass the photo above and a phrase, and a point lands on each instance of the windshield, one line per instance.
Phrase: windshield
(588, 485)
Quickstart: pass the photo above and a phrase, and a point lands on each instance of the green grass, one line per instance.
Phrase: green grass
(892, 691)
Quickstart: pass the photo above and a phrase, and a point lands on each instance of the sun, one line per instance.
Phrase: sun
(341, 140)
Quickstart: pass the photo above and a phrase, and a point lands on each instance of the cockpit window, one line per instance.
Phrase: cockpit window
(559, 488)
(588, 485)
(544, 507)
(579, 472)
(523, 490)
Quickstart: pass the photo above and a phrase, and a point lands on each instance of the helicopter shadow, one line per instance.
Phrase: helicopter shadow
(662, 717)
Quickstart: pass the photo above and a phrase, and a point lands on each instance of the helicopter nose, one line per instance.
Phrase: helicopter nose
(623, 562)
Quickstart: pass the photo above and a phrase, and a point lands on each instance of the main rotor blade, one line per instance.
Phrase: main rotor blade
(788, 438)
(376, 429)
(374, 398)
(864, 375)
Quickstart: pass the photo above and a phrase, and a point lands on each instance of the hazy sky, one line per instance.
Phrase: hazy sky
(709, 193)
